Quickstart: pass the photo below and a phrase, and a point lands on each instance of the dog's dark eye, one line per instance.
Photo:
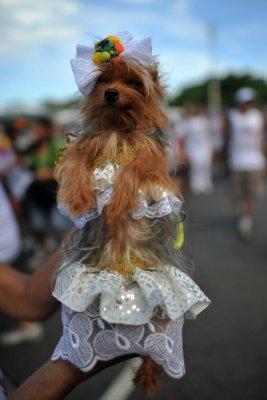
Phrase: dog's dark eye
(134, 84)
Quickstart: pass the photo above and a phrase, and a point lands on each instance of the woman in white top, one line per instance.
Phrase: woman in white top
(10, 242)
(246, 142)
(199, 150)
(10, 247)
(246, 157)
(9, 234)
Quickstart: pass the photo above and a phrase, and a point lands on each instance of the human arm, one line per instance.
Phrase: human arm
(28, 297)
(56, 379)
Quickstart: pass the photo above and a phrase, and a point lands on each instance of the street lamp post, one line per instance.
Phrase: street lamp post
(214, 89)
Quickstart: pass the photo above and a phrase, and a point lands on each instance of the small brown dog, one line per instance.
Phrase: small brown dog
(123, 117)
(115, 184)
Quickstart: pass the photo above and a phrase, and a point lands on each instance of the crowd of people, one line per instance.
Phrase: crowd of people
(31, 226)
(28, 152)
(230, 144)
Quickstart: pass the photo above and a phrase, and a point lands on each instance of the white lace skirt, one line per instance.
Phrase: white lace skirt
(88, 338)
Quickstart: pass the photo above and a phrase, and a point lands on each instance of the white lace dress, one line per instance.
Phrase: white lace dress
(106, 314)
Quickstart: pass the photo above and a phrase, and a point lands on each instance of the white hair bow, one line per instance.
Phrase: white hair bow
(86, 72)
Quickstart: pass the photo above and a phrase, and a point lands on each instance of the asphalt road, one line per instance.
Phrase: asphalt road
(225, 347)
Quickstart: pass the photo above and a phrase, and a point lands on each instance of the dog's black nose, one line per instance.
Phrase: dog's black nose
(111, 95)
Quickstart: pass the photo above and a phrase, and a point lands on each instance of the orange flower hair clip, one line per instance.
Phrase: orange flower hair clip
(106, 49)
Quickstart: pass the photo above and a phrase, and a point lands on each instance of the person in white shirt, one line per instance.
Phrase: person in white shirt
(199, 150)
(10, 248)
(245, 156)
(10, 242)
(176, 155)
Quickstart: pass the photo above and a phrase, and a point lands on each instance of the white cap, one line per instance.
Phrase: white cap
(245, 94)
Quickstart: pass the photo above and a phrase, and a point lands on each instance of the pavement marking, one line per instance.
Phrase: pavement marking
(122, 386)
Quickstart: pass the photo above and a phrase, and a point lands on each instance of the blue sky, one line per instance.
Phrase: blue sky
(38, 38)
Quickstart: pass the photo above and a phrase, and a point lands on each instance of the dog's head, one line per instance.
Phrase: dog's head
(126, 97)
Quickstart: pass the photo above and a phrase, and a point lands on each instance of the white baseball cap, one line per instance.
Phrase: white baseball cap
(245, 94)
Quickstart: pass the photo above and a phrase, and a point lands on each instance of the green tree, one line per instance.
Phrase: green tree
(229, 85)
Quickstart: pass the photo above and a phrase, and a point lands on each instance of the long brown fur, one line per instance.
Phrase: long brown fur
(137, 111)
(148, 168)
(147, 377)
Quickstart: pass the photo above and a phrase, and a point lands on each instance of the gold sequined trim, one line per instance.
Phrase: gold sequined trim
(124, 156)
(123, 267)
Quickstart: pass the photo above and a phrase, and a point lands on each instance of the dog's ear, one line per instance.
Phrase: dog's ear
(154, 72)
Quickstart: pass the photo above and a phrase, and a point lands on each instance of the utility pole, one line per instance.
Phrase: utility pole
(214, 89)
